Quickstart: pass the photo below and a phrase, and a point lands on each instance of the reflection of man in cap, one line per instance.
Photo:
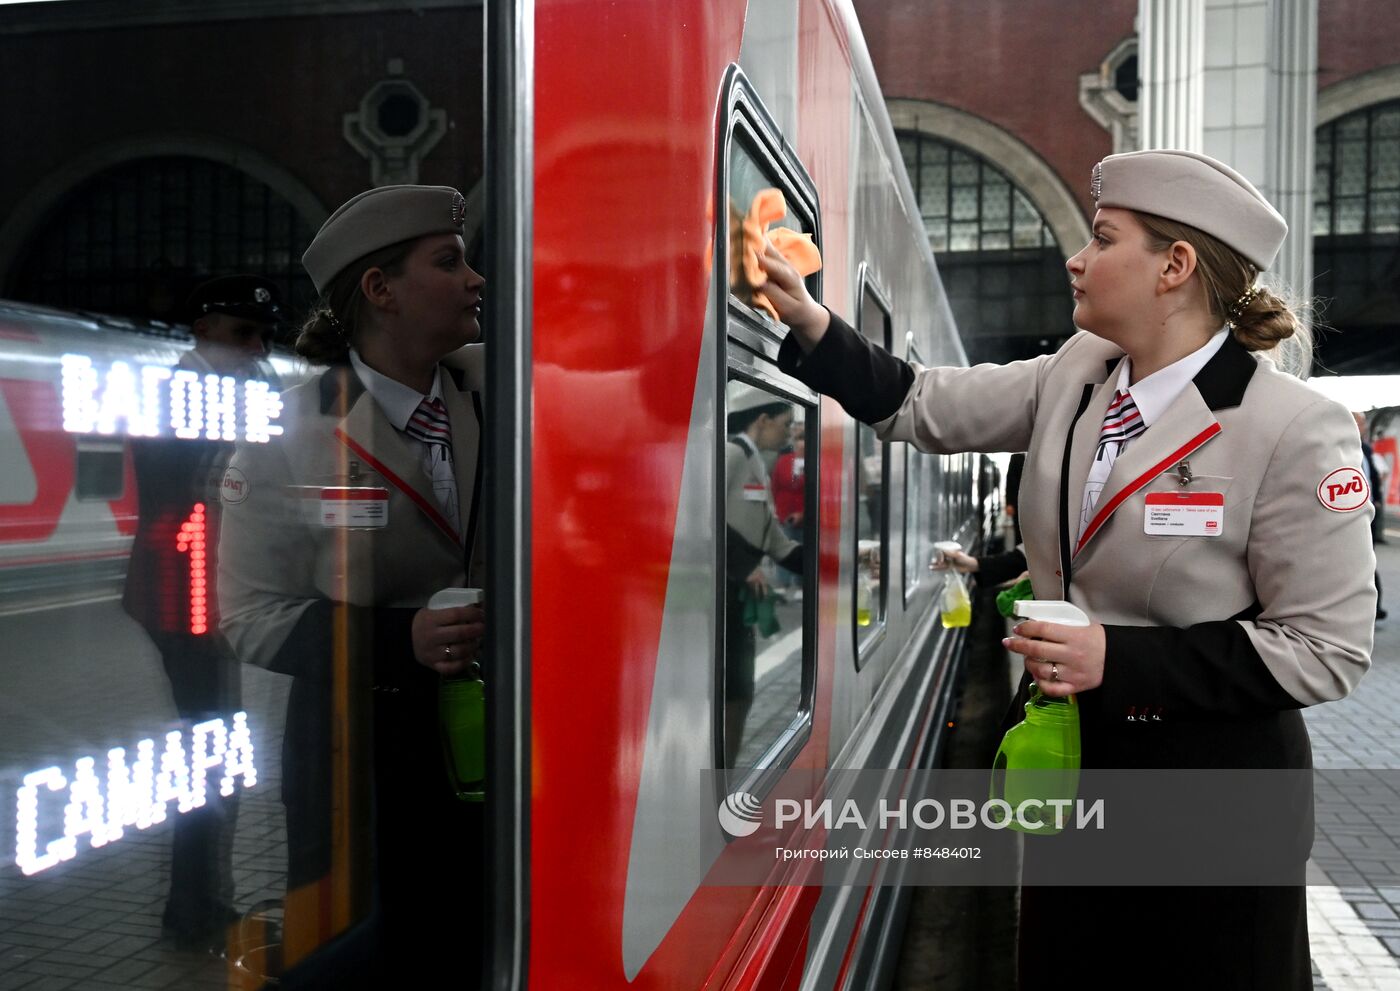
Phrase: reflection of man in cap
(175, 600)
(758, 421)
(232, 319)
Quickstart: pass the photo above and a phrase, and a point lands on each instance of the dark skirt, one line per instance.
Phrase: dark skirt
(1231, 939)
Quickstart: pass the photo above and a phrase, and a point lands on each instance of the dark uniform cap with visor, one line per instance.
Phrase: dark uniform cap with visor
(250, 297)
(1195, 190)
(378, 218)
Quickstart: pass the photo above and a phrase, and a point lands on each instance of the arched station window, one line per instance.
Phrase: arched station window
(1000, 264)
(134, 239)
(1356, 238)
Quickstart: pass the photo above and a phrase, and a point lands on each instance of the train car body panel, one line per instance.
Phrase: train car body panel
(627, 420)
(635, 338)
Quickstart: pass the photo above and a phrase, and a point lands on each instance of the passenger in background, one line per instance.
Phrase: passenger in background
(1377, 482)
(366, 506)
(994, 569)
(758, 421)
(171, 588)
(1013, 493)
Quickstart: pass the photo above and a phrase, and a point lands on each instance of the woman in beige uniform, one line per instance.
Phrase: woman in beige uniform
(1210, 635)
(335, 536)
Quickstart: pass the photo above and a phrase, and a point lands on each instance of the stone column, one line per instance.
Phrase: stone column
(1290, 142)
(1171, 56)
(1260, 92)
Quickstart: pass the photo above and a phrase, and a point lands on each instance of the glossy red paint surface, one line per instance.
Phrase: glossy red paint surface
(624, 178)
(623, 222)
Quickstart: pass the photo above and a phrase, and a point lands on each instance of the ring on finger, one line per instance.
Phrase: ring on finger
(1054, 672)
(446, 653)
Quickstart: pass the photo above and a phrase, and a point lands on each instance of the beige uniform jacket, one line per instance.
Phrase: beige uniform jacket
(278, 559)
(1211, 641)
(749, 509)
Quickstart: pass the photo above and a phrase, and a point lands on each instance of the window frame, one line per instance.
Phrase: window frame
(88, 446)
(778, 755)
(747, 117)
(865, 646)
(748, 350)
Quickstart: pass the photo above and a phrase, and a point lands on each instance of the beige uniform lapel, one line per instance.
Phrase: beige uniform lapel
(464, 376)
(466, 440)
(464, 411)
(366, 432)
(1183, 427)
(1085, 444)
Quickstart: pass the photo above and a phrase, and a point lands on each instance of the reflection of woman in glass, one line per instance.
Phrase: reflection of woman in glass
(340, 532)
(790, 494)
(757, 422)
(1174, 487)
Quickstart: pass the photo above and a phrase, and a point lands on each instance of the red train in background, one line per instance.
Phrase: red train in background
(623, 138)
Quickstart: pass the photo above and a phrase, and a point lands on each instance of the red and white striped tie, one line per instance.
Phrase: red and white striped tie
(1121, 423)
(430, 424)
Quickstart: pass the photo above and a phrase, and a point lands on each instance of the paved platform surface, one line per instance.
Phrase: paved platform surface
(94, 923)
(964, 939)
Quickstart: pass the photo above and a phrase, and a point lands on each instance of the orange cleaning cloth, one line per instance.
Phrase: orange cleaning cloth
(768, 205)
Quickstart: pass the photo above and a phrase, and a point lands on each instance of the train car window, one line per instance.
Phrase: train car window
(769, 571)
(871, 472)
(100, 469)
(221, 761)
(763, 187)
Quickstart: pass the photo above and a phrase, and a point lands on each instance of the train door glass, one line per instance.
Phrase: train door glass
(214, 726)
(871, 473)
(769, 581)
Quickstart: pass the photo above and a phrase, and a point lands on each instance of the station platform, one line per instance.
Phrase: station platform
(965, 939)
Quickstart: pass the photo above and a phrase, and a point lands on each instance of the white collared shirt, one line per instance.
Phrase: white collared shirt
(398, 403)
(1153, 395)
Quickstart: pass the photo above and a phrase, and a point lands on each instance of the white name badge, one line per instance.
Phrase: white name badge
(1184, 514)
(358, 506)
(755, 492)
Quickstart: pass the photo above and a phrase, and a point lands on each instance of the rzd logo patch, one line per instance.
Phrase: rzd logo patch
(1344, 491)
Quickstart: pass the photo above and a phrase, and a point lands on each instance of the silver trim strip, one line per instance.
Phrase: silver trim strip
(509, 177)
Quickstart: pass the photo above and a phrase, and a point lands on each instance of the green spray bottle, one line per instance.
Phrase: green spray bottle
(1038, 760)
(462, 713)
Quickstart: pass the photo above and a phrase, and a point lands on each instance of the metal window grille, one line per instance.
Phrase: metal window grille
(135, 239)
(1356, 235)
(1000, 264)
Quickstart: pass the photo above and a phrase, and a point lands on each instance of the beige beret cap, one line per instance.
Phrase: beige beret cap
(742, 397)
(1195, 190)
(378, 218)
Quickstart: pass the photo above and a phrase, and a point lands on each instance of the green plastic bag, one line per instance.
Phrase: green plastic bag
(761, 612)
(1008, 597)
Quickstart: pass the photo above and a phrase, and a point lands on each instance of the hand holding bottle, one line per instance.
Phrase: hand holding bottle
(1062, 659)
(960, 561)
(448, 640)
